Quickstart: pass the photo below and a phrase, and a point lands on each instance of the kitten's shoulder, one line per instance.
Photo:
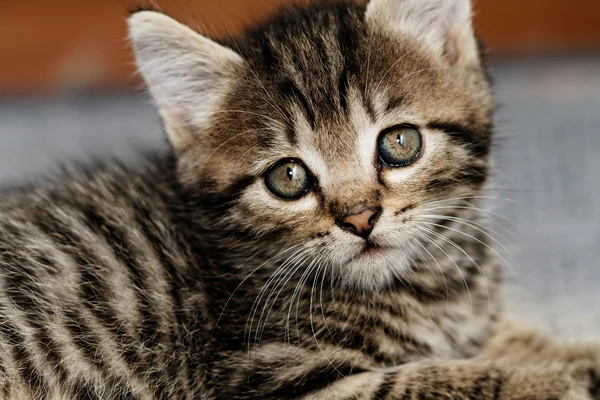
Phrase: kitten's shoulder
(95, 180)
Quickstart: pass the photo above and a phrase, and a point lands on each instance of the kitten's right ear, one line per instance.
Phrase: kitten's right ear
(445, 26)
(187, 73)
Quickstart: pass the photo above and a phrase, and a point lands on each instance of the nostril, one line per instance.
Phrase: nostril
(374, 218)
(348, 227)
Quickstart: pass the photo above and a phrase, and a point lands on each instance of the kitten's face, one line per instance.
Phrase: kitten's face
(331, 136)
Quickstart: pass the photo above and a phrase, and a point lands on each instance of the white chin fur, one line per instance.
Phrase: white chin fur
(367, 271)
(374, 272)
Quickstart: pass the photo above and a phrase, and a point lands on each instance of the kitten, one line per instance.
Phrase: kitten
(313, 232)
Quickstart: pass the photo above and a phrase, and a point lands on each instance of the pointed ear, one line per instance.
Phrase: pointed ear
(443, 25)
(187, 74)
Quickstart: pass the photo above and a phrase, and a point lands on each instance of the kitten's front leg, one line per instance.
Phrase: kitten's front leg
(313, 377)
(515, 344)
(465, 379)
(518, 344)
(514, 364)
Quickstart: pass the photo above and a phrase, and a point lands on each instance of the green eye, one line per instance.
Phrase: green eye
(399, 146)
(288, 179)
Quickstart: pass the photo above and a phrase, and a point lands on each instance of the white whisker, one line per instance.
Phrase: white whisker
(292, 265)
(293, 270)
(420, 254)
(459, 248)
(478, 241)
(484, 229)
(326, 264)
(279, 271)
(245, 279)
(443, 250)
(476, 209)
(439, 267)
(312, 325)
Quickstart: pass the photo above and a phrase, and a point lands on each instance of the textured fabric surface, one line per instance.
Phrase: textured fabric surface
(545, 195)
(549, 161)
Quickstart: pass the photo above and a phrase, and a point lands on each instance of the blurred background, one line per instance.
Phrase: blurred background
(68, 91)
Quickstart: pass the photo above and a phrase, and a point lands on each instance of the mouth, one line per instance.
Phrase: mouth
(371, 249)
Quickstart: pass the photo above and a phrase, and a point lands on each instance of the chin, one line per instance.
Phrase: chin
(375, 269)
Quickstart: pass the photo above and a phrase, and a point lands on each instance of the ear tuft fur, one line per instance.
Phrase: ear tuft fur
(187, 73)
(445, 26)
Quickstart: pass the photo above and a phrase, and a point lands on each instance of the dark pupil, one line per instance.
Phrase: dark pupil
(290, 173)
(400, 139)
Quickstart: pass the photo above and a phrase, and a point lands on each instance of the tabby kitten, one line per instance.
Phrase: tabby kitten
(313, 232)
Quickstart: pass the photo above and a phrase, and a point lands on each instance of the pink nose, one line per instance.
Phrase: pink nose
(361, 224)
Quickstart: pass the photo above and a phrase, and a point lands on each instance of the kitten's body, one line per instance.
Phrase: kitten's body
(186, 279)
(107, 286)
(105, 273)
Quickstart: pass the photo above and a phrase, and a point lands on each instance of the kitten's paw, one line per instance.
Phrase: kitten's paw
(575, 377)
(586, 381)
(594, 385)
(585, 363)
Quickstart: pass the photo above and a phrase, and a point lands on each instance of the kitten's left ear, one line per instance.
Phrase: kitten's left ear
(445, 26)
(187, 73)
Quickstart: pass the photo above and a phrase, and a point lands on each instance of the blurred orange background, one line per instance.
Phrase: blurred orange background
(73, 45)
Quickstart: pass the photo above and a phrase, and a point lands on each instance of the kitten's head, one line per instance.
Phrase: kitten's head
(326, 132)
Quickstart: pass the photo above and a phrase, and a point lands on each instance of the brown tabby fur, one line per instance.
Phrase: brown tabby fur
(186, 278)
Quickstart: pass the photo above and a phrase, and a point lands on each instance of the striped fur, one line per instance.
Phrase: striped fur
(185, 278)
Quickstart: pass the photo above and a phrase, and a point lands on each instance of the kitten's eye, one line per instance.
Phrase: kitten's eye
(288, 179)
(399, 146)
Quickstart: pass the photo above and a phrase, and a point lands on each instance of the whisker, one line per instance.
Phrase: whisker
(223, 144)
(420, 254)
(296, 291)
(303, 279)
(279, 271)
(459, 248)
(368, 73)
(405, 77)
(244, 280)
(506, 199)
(472, 198)
(412, 50)
(255, 114)
(297, 265)
(312, 325)
(443, 250)
(478, 241)
(439, 267)
(476, 209)
(326, 264)
(483, 229)
(282, 274)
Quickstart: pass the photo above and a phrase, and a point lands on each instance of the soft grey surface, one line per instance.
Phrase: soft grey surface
(549, 154)
(547, 181)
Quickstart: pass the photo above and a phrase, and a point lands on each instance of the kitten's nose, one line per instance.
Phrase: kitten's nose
(361, 224)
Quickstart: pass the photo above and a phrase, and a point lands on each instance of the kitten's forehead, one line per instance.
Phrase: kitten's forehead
(312, 62)
(344, 148)
(308, 60)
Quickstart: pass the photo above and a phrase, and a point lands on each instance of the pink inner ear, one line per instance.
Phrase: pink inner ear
(451, 48)
(456, 22)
